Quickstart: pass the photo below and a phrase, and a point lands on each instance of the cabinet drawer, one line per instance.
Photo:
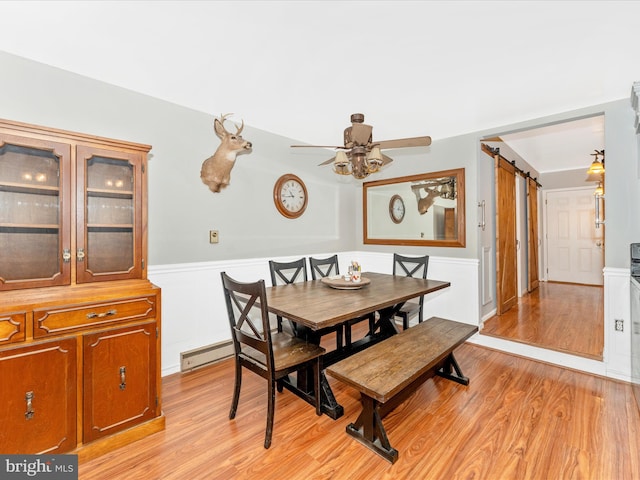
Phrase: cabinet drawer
(12, 327)
(55, 321)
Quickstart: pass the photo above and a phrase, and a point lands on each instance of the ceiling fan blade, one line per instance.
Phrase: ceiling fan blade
(317, 146)
(327, 162)
(386, 160)
(405, 142)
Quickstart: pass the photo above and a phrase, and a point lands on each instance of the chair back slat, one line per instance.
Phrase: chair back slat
(323, 267)
(283, 273)
(415, 267)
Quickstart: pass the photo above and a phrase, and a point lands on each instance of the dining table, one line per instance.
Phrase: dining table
(318, 307)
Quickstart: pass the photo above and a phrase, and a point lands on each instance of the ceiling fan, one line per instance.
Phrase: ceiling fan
(361, 156)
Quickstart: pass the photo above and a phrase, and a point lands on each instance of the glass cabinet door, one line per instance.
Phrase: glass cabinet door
(108, 223)
(34, 213)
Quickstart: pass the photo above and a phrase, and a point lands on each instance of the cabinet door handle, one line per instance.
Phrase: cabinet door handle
(482, 222)
(80, 254)
(108, 313)
(597, 211)
(123, 378)
(66, 255)
(30, 412)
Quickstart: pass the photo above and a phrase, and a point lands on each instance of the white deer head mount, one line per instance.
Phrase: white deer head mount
(216, 170)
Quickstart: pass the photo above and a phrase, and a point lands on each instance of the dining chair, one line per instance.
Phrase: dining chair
(283, 273)
(270, 355)
(325, 267)
(415, 267)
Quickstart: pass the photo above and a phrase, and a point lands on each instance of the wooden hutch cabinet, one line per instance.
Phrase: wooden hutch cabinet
(79, 321)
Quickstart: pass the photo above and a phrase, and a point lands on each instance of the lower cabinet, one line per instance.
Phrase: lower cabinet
(38, 398)
(79, 373)
(119, 370)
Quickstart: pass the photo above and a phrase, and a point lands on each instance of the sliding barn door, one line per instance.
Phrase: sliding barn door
(532, 217)
(506, 261)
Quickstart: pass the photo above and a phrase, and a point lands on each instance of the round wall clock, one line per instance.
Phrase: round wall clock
(290, 195)
(396, 208)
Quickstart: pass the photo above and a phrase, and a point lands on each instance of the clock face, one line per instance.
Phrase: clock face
(396, 208)
(290, 196)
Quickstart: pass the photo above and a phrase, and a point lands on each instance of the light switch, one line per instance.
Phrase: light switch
(213, 236)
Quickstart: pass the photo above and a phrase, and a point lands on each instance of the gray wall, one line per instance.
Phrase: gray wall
(182, 210)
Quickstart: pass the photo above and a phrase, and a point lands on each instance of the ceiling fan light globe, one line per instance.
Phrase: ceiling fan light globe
(374, 165)
(342, 169)
(341, 159)
(375, 154)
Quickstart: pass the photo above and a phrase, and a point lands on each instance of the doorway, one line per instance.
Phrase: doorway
(538, 316)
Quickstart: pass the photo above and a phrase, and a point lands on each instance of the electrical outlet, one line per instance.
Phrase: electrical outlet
(213, 236)
(619, 325)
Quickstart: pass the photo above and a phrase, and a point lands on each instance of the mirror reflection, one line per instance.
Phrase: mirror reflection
(424, 209)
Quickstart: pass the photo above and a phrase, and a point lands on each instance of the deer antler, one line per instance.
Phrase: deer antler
(223, 117)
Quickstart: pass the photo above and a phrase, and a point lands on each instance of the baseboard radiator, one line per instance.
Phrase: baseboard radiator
(199, 357)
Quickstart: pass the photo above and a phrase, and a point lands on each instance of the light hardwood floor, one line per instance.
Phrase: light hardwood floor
(560, 316)
(518, 419)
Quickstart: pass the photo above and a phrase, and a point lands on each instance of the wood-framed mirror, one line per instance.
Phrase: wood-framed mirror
(423, 210)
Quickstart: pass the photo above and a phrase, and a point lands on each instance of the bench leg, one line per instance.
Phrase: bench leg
(369, 430)
(447, 371)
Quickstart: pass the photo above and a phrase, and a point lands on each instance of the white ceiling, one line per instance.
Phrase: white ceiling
(300, 68)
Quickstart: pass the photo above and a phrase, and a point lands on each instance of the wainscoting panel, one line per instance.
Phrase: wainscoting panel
(617, 306)
(488, 283)
(194, 313)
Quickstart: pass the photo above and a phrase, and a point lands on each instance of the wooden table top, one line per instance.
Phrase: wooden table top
(317, 305)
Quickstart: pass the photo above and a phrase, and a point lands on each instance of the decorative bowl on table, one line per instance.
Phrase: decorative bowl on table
(339, 283)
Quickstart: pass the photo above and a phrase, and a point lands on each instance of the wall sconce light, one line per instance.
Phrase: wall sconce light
(597, 166)
(599, 192)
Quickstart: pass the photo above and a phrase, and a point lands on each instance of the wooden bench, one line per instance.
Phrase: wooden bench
(388, 372)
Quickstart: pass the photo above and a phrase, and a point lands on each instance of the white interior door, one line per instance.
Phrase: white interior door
(575, 247)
